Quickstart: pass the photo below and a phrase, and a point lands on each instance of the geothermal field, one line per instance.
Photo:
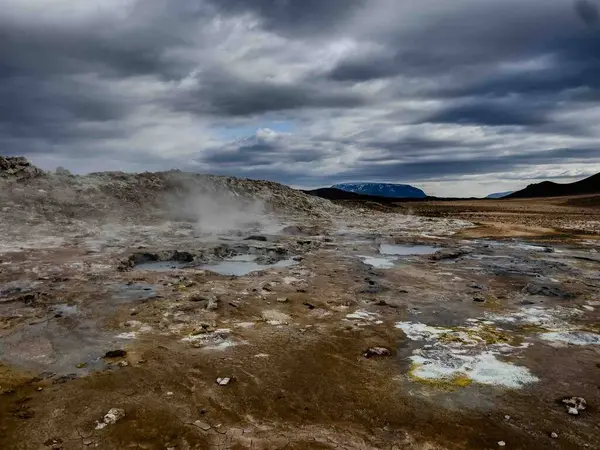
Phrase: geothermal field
(180, 311)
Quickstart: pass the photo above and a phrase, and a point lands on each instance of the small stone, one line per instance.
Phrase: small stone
(169, 393)
(202, 425)
(377, 351)
(501, 444)
(81, 365)
(554, 435)
(87, 442)
(479, 299)
(574, 405)
(40, 389)
(115, 354)
(212, 304)
(282, 300)
(112, 416)
(223, 381)
(123, 364)
(507, 417)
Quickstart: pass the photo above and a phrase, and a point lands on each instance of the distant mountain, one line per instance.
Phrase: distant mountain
(589, 185)
(388, 190)
(500, 194)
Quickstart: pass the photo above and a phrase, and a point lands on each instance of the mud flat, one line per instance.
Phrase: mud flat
(369, 330)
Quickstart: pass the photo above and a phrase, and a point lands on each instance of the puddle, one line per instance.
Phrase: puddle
(572, 337)
(70, 345)
(378, 263)
(243, 265)
(407, 250)
(125, 293)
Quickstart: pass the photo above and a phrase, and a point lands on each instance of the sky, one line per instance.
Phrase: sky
(459, 98)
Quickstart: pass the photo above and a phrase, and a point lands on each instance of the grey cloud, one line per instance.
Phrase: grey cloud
(304, 17)
(588, 12)
(219, 93)
(371, 89)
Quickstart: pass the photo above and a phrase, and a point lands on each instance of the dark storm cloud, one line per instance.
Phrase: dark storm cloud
(304, 17)
(588, 12)
(488, 113)
(223, 94)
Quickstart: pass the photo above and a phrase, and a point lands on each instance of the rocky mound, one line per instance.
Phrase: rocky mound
(30, 195)
(18, 168)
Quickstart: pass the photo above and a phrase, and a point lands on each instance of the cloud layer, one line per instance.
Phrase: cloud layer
(461, 98)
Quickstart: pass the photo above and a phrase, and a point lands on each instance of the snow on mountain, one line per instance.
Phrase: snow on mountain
(382, 189)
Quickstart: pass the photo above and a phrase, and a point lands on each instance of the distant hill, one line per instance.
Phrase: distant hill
(500, 194)
(388, 190)
(589, 185)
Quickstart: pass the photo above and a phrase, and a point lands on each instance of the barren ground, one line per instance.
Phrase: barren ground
(486, 337)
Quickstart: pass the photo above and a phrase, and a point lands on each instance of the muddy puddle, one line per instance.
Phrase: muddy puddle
(407, 250)
(69, 343)
(242, 265)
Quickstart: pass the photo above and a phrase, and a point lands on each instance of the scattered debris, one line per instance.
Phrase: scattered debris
(112, 416)
(223, 381)
(574, 405)
(377, 351)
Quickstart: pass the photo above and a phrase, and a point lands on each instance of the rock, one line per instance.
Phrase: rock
(449, 253)
(477, 286)
(574, 405)
(309, 305)
(282, 300)
(18, 168)
(377, 352)
(115, 354)
(384, 303)
(213, 303)
(547, 290)
(507, 417)
(501, 444)
(479, 299)
(554, 435)
(202, 425)
(256, 238)
(112, 416)
(54, 443)
(87, 442)
(223, 381)
(123, 364)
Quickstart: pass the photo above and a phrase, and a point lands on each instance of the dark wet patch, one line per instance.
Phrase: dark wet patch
(126, 292)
